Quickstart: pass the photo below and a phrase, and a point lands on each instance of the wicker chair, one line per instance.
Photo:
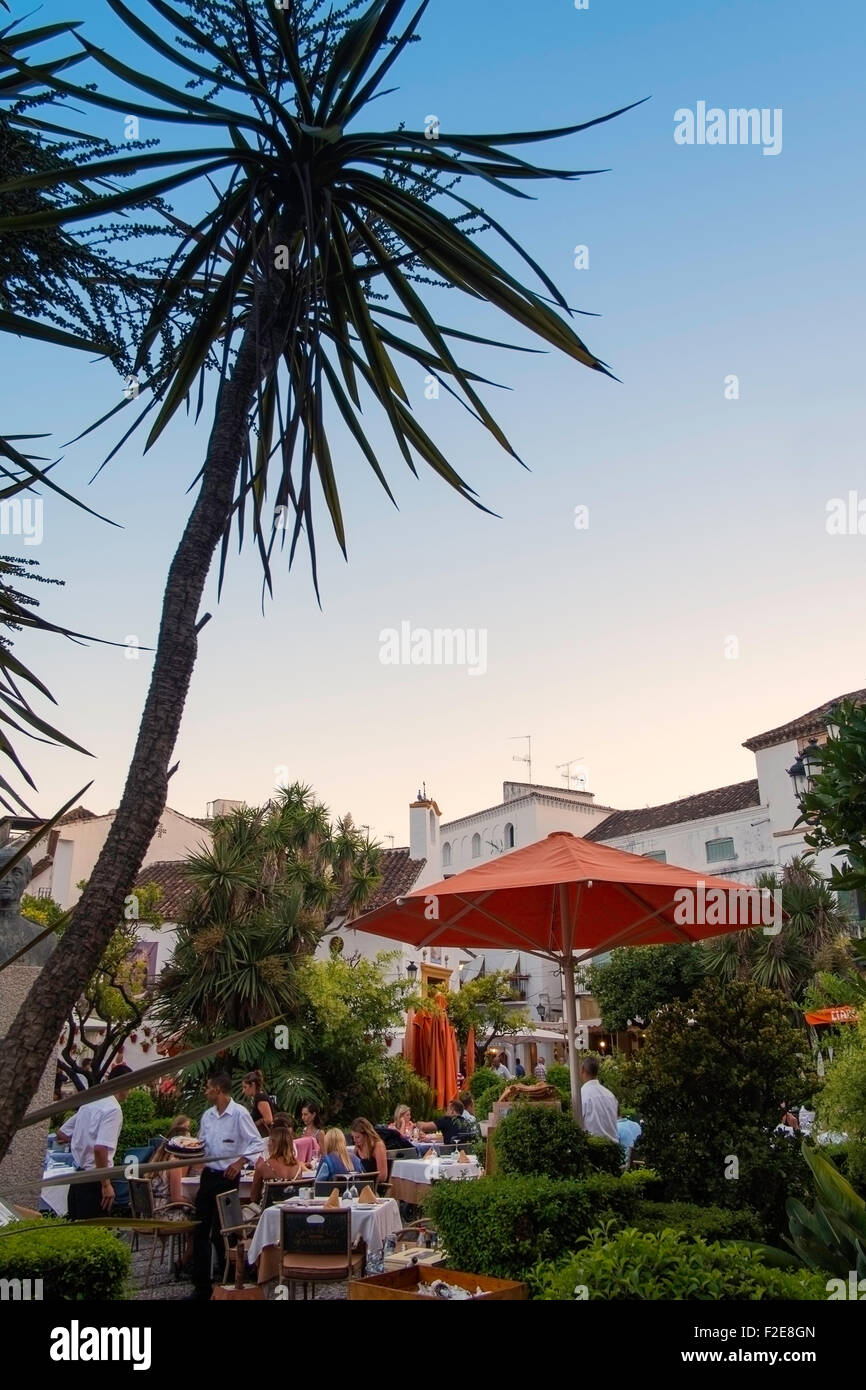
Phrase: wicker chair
(236, 1231)
(173, 1230)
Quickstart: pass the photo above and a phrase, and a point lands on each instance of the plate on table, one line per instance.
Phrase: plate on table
(186, 1146)
(365, 1206)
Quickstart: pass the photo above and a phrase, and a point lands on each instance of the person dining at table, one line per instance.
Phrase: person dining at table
(370, 1149)
(311, 1119)
(403, 1122)
(336, 1161)
(280, 1162)
(166, 1186)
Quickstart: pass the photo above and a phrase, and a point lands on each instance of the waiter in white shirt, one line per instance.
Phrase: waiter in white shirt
(599, 1105)
(230, 1140)
(92, 1133)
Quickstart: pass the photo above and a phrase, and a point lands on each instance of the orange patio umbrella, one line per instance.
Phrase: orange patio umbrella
(434, 1051)
(565, 898)
(839, 1013)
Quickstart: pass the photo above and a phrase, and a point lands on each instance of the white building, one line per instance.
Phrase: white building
(742, 830)
(69, 852)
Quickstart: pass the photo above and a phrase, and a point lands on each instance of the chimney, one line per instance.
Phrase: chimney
(223, 808)
(424, 817)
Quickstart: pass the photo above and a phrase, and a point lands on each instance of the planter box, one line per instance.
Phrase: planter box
(403, 1284)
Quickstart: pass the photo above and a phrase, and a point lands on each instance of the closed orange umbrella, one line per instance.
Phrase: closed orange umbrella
(470, 1054)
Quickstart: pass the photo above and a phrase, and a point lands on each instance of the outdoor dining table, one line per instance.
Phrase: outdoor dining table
(373, 1224)
(190, 1185)
(412, 1178)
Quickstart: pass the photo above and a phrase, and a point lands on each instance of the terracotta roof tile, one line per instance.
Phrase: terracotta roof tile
(737, 797)
(77, 813)
(399, 873)
(806, 726)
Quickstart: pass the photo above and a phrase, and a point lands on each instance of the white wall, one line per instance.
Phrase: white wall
(81, 844)
(685, 845)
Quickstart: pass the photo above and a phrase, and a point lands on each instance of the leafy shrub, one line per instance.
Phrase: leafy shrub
(483, 1079)
(74, 1262)
(850, 1159)
(708, 1084)
(653, 1265)
(502, 1226)
(538, 1140)
(711, 1223)
(559, 1076)
(402, 1086)
(140, 1120)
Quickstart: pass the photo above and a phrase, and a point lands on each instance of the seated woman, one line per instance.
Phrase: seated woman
(167, 1185)
(370, 1149)
(336, 1162)
(281, 1161)
(311, 1119)
(403, 1122)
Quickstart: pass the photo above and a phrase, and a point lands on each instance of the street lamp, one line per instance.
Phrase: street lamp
(798, 775)
(412, 971)
(805, 769)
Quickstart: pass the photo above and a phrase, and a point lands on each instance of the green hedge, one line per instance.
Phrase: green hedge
(712, 1223)
(651, 1265)
(74, 1262)
(502, 1226)
(140, 1121)
(539, 1141)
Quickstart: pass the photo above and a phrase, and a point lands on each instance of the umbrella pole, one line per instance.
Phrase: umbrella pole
(567, 928)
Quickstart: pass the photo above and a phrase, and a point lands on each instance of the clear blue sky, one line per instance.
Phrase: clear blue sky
(707, 515)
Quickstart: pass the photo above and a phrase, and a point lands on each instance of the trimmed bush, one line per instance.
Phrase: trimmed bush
(75, 1263)
(140, 1120)
(711, 1223)
(536, 1140)
(483, 1079)
(652, 1265)
(502, 1226)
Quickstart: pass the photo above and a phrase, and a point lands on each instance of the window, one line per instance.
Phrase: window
(446, 855)
(720, 849)
(476, 846)
(432, 826)
(43, 892)
(659, 855)
(509, 836)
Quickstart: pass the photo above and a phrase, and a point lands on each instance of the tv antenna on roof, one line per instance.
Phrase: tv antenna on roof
(579, 777)
(524, 757)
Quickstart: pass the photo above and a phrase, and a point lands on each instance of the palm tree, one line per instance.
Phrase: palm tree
(810, 935)
(305, 270)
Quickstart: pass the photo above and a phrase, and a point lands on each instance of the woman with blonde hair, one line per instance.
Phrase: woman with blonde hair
(336, 1161)
(281, 1162)
(167, 1185)
(370, 1149)
(403, 1122)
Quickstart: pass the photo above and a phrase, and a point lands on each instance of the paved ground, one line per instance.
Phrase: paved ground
(162, 1284)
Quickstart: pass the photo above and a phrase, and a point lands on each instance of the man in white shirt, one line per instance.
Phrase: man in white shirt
(502, 1067)
(540, 1070)
(230, 1140)
(599, 1105)
(92, 1133)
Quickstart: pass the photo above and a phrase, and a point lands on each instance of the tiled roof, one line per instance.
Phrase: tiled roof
(738, 797)
(176, 887)
(806, 726)
(77, 813)
(399, 873)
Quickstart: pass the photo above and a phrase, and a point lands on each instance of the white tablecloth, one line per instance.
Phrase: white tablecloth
(191, 1184)
(374, 1225)
(57, 1198)
(428, 1170)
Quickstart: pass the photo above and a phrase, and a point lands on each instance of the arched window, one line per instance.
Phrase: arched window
(509, 836)
(446, 855)
(476, 846)
(432, 825)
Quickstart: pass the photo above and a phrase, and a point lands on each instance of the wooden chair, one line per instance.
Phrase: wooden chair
(316, 1248)
(235, 1230)
(172, 1232)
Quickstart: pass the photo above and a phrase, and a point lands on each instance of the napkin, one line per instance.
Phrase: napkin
(367, 1195)
(431, 1153)
(462, 1157)
(333, 1201)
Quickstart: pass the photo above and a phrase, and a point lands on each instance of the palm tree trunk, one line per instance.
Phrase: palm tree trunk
(33, 1035)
